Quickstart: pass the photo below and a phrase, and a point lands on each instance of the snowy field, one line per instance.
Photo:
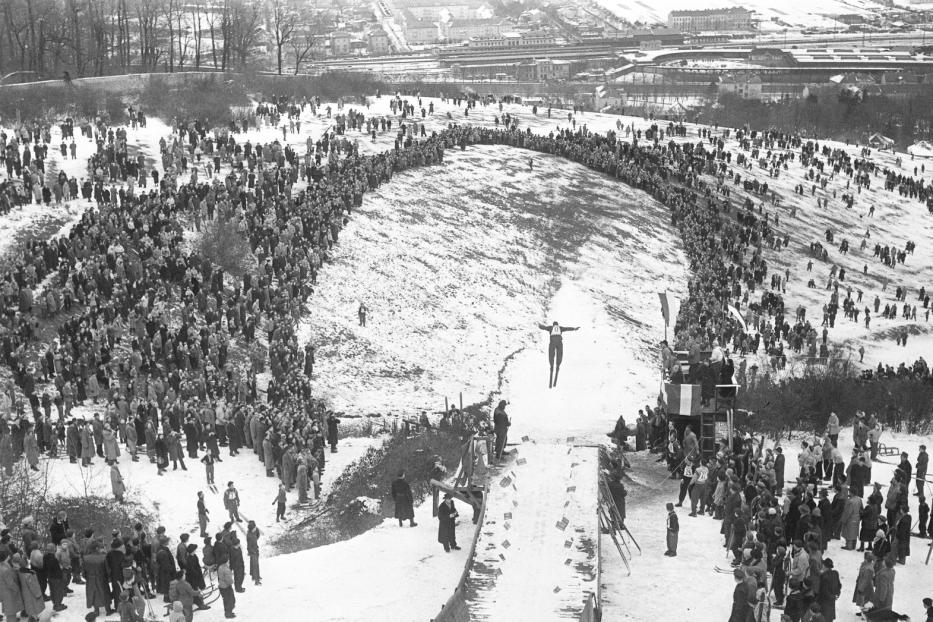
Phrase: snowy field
(457, 264)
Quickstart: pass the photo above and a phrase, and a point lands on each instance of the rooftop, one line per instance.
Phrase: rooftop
(735, 10)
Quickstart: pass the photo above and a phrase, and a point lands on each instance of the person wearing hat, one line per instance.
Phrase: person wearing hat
(10, 592)
(740, 597)
(870, 516)
(404, 502)
(446, 526)
(865, 581)
(165, 568)
(33, 601)
(96, 576)
(923, 461)
(673, 530)
(829, 590)
(928, 608)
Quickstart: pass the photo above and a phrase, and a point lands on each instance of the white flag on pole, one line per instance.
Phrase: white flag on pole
(738, 316)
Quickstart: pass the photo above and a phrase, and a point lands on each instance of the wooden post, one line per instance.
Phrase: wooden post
(461, 401)
(456, 493)
(446, 405)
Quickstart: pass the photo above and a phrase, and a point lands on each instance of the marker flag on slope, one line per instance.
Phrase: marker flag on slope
(562, 523)
(738, 316)
(520, 461)
(670, 307)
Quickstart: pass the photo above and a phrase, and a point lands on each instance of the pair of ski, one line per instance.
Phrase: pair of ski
(613, 512)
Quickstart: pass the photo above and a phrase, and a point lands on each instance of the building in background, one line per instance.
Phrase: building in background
(703, 20)
(463, 29)
(434, 10)
(377, 42)
(417, 31)
(745, 86)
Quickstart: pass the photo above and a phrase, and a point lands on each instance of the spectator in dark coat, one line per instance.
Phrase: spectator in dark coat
(740, 608)
(58, 528)
(779, 469)
(193, 571)
(404, 503)
(446, 527)
(55, 577)
(902, 534)
(165, 568)
(830, 588)
(332, 422)
(501, 424)
(115, 557)
(96, 577)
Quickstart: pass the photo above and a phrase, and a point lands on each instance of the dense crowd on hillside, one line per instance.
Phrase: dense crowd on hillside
(166, 345)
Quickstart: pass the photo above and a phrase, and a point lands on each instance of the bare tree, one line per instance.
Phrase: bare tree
(284, 22)
(147, 19)
(169, 8)
(301, 48)
(240, 29)
(198, 32)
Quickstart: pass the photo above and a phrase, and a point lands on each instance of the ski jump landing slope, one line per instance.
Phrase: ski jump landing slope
(536, 556)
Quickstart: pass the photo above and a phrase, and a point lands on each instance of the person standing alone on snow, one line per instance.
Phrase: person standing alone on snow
(673, 529)
(446, 526)
(232, 502)
(555, 348)
(279, 502)
(404, 502)
(361, 314)
(252, 550)
(501, 423)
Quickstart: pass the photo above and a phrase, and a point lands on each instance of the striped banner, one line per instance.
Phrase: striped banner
(683, 399)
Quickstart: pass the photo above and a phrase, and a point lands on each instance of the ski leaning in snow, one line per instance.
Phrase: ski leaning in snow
(555, 349)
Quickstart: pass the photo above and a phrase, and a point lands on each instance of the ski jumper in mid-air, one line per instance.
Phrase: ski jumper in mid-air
(555, 349)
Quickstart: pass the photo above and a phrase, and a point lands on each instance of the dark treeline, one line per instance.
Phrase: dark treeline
(829, 115)
(901, 401)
